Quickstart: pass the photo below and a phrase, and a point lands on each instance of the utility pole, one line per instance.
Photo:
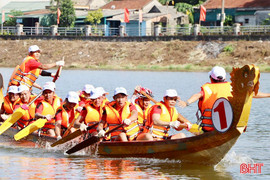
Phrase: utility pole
(222, 15)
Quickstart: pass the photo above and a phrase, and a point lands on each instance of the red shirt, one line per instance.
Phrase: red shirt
(31, 65)
(58, 115)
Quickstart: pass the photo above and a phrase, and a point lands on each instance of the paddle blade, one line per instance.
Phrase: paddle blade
(12, 119)
(83, 144)
(30, 128)
(67, 138)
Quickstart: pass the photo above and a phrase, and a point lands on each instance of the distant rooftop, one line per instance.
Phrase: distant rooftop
(129, 4)
(26, 5)
(215, 4)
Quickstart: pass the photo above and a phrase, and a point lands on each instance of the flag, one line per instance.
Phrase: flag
(3, 16)
(58, 15)
(202, 13)
(140, 16)
(126, 15)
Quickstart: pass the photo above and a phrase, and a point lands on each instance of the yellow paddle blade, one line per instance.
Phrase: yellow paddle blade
(30, 128)
(195, 129)
(17, 114)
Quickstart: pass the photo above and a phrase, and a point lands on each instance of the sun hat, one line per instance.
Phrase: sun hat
(96, 93)
(170, 93)
(13, 89)
(49, 86)
(22, 88)
(88, 88)
(121, 90)
(33, 48)
(218, 73)
(101, 89)
(73, 97)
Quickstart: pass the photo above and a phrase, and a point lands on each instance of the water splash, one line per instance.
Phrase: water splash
(232, 159)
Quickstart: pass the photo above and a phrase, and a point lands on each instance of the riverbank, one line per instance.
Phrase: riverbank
(151, 56)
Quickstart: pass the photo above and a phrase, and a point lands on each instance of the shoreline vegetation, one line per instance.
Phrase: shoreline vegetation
(194, 56)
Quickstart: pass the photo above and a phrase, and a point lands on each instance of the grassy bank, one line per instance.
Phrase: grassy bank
(147, 56)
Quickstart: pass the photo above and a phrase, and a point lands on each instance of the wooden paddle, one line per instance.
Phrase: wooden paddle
(71, 125)
(30, 128)
(90, 141)
(18, 113)
(72, 135)
(149, 97)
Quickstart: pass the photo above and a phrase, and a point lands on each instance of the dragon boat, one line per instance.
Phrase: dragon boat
(207, 148)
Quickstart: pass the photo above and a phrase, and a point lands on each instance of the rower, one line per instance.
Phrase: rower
(104, 93)
(65, 114)
(25, 99)
(142, 103)
(92, 112)
(9, 101)
(117, 112)
(163, 116)
(46, 108)
(30, 69)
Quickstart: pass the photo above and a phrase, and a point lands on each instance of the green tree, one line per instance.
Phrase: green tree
(67, 17)
(94, 17)
(12, 20)
(266, 21)
(228, 21)
(186, 9)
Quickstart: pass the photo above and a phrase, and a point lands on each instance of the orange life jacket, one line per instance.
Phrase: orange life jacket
(50, 109)
(142, 115)
(66, 119)
(161, 132)
(8, 106)
(114, 119)
(29, 115)
(93, 116)
(212, 91)
(21, 77)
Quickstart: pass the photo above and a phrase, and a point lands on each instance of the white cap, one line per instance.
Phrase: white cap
(33, 48)
(13, 89)
(121, 90)
(49, 86)
(73, 97)
(218, 73)
(170, 93)
(101, 90)
(96, 93)
(88, 88)
(22, 88)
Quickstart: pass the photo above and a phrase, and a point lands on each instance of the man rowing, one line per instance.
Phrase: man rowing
(65, 114)
(92, 112)
(47, 107)
(30, 69)
(118, 112)
(162, 117)
(9, 101)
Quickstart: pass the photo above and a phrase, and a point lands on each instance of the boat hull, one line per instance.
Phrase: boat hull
(207, 149)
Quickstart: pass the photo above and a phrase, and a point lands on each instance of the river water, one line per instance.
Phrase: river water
(252, 147)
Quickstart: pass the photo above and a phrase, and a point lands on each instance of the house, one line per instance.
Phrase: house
(152, 13)
(38, 8)
(245, 12)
